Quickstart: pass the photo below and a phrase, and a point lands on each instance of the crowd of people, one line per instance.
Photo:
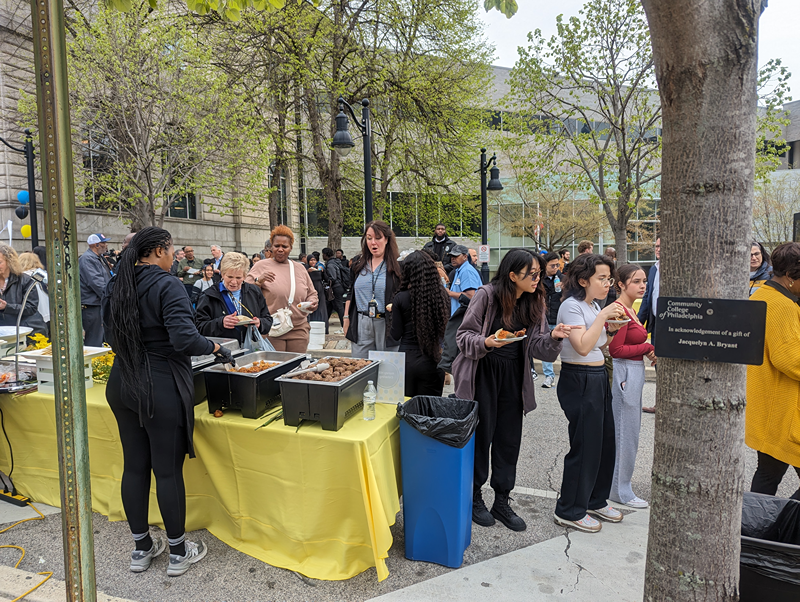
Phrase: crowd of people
(431, 305)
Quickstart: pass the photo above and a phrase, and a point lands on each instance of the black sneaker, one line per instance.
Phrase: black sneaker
(480, 513)
(503, 512)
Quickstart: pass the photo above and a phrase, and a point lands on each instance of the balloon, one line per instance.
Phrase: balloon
(26, 231)
(23, 197)
(21, 211)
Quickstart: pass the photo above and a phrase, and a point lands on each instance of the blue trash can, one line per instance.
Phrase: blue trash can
(437, 478)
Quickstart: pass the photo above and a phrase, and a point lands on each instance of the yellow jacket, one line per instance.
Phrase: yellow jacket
(772, 419)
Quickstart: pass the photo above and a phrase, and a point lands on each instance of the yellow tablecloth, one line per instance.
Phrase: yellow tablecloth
(316, 502)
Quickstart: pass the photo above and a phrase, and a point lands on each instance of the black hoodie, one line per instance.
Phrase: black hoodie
(169, 335)
(165, 315)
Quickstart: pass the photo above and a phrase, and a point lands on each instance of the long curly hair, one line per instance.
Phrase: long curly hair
(528, 309)
(126, 327)
(430, 304)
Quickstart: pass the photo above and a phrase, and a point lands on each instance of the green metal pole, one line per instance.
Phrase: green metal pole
(55, 148)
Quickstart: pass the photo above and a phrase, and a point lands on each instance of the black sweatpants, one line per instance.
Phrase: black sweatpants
(423, 377)
(498, 391)
(585, 397)
(160, 445)
(769, 474)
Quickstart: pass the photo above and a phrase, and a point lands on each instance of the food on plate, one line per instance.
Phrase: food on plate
(505, 334)
(244, 318)
(339, 369)
(258, 366)
(218, 414)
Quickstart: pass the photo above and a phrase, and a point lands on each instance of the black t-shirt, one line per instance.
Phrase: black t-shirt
(403, 326)
(511, 350)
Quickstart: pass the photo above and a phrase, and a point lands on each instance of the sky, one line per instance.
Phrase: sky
(778, 35)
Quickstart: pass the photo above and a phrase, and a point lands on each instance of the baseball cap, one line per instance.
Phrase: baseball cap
(458, 250)
(96, 238)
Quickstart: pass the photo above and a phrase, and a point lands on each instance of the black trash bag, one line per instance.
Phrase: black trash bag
(445, 419)
(771, 537)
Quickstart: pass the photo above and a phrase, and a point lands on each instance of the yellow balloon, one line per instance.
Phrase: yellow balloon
(26, 231)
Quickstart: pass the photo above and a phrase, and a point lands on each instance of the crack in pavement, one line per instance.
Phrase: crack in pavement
(558, 455)
(580, 568)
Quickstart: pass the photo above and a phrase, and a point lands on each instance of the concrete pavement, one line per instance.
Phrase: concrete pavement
(578, 567)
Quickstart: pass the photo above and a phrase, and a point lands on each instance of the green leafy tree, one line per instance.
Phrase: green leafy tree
(586, 107)
(154, 119)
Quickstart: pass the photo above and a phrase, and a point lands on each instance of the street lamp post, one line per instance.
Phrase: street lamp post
(494, 186)
(27, 150)
(343, 144)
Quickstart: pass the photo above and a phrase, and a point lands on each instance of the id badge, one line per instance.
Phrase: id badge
(373, 309)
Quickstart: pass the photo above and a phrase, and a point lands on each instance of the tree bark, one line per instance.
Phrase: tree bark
(705, 57)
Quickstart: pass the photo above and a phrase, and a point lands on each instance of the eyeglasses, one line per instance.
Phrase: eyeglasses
(756, 254)
(533, 274)
(607, 281)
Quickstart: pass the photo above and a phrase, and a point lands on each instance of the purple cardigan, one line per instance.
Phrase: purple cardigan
(471, 339)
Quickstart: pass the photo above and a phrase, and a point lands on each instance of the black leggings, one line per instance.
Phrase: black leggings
(769, 475)
(162, 439)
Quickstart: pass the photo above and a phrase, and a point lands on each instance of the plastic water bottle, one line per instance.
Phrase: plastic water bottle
(370, 393)
(557, 284)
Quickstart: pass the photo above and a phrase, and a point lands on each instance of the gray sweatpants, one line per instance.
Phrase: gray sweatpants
(371, 337)
(626, 402)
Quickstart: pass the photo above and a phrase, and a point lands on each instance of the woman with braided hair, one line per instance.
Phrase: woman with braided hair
(419, 316)
(149, 322)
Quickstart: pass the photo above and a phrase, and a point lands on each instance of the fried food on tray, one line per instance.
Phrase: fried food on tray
(520, 333)
(244, 318)
(340, 368)
(258, 366)
(48, 351)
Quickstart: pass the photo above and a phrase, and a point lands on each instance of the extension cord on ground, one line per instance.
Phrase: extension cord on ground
(16, 499)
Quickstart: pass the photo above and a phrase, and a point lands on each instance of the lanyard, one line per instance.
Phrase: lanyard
(374, 277)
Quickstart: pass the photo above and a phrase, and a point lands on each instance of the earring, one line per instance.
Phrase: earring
(791, 283)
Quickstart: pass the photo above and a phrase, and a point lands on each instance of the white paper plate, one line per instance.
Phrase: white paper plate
(618, 321)
(512, 340)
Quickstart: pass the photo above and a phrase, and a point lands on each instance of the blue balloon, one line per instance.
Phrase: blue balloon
(23, 197)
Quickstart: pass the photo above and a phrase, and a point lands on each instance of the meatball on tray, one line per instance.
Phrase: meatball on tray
(330, 396)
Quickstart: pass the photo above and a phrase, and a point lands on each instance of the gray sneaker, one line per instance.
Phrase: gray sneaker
(178, 565)
(140, 560)
(548, 382)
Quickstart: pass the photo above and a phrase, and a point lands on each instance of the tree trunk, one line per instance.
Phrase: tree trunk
(705, 56)
(621, 244)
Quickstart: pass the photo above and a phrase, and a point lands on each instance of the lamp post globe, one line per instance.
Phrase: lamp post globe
(494, 186)
(342, 141)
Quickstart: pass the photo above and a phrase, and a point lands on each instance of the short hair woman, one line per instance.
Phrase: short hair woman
(221, 306)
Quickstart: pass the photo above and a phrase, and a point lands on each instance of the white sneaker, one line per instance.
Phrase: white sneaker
(608, 513)
(587, 524)
(548, 382)
(636, 502)
(178, 565)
